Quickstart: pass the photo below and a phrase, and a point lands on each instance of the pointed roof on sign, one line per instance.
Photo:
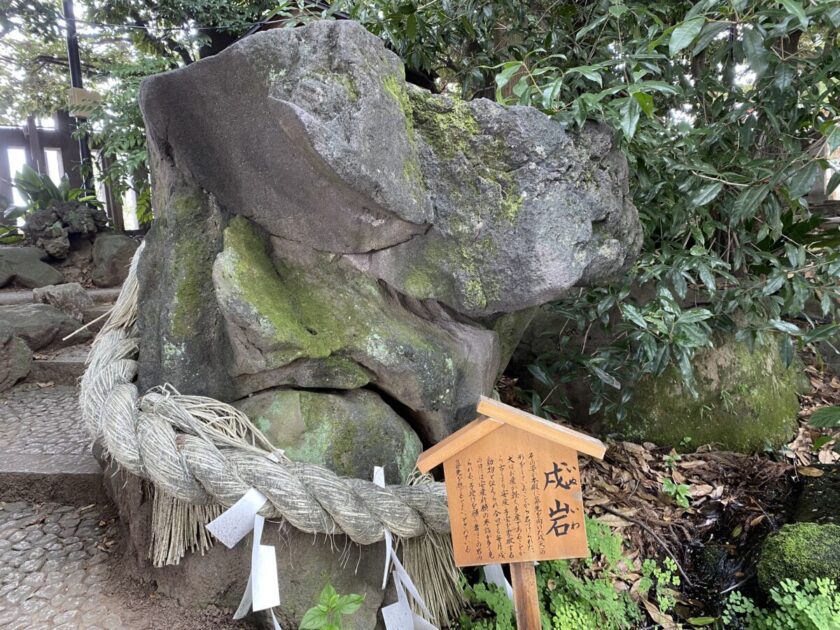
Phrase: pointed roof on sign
(494, 415)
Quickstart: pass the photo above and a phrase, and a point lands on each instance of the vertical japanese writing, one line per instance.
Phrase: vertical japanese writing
(459, 476)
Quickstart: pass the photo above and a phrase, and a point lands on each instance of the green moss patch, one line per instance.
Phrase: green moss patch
(747, 401)
(800, 551)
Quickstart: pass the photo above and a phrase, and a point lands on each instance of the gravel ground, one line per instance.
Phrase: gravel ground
(61, 569)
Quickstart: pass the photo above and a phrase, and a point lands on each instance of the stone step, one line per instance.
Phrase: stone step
(62, 478)
(24, 296)
(44, 451)
(62, 367)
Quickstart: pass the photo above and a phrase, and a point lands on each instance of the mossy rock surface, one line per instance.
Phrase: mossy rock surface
(348, 432)
(800, 551)
(296, 315)
(747, 401)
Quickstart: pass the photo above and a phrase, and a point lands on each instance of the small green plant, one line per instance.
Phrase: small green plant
(679, 492)
(813, 605)
(664, 581)
(672, 459)
(573, 594)
(331, 607)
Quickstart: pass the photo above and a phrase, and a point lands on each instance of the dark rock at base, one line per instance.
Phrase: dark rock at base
(112, 255)
(70, 298)
(40, 325)
(820, 498)
(15, 359)
(25, 267)
(800, 551)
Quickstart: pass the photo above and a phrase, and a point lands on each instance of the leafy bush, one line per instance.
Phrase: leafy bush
(813, 605)
(581, 593)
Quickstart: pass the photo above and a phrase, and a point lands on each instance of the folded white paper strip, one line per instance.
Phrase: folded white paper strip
(262, 591)
(399, 616)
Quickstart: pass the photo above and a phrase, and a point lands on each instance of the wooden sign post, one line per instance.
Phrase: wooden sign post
(514, 495)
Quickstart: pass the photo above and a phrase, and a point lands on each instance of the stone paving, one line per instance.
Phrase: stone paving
(40, 421)
(62, 566)
(60, 569)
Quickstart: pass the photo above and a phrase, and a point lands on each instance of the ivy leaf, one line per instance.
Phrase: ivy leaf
(705, 194)
(774, 285)
(832, 137)
(684, 34)
(749, 200)
(826, 418)
(606, 378)
(590, 72)
(833, 183)
(539, 373)
(786, 350)
(785, 73)
(632, 313)
(785, 327)
(646, 103)
(708, 35)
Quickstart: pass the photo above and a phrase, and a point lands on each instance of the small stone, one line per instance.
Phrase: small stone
(70, 298)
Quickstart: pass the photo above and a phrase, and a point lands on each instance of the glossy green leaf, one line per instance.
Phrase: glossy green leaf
(684, 34)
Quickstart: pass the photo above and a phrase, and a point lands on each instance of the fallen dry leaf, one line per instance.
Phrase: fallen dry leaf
(810, 471)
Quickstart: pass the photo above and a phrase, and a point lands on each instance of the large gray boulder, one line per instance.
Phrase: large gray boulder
(348, 258)
(41, 326)
(112, 255)
(25, 267)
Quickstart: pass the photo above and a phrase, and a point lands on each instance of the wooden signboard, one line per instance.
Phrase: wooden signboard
(514, 495)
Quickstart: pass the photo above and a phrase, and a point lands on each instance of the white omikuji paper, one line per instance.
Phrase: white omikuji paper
(265, 592)
(262, 591)
(379, 480)
(399, 616)
(234, 523)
